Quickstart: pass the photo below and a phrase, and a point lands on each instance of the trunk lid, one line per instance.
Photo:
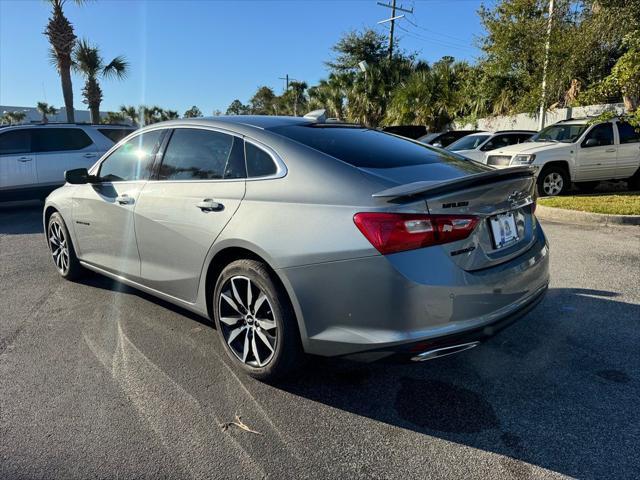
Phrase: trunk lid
(501, 199)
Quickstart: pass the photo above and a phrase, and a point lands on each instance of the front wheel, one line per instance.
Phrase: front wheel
(553, 181)
(256, 323)
(61, 248)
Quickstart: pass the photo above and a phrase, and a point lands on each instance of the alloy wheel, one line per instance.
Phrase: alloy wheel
(552, 184)
(247, 321)
(59, 247)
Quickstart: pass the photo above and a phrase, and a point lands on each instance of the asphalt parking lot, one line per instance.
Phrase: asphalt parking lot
(98, 380)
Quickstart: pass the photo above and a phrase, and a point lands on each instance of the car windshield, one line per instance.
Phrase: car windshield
(469, 142)
(559, 133)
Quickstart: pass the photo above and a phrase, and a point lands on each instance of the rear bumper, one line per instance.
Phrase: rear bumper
(396, 303)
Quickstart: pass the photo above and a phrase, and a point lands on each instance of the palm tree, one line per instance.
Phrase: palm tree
(131, 113)
(45, 109)
(88, 62)
(114, 117)
(193, 112)
(13, 117)
(297, 90)
(62, 39)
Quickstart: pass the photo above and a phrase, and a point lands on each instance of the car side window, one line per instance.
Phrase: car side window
(196, 154)
(60, 139)
(133, 160)
(115, 134)
(497, 142)
(16, 142)
(603, 134)
(259, 162)
(628, 134)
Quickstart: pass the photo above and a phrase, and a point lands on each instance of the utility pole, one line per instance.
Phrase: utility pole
(286, 78)
(543, 109)
(393, 19)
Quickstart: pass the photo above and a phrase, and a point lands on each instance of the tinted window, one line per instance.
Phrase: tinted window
(194, 154)
(603, 133)
(628, 134)
(505, 140)
(115, 134)
(133, 160)
(362, 147)
(16, 141)
(60, 139)
(469, 142)
(259, 162)
(559, 133)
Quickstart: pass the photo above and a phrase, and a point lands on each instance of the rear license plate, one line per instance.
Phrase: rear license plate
(504, 229)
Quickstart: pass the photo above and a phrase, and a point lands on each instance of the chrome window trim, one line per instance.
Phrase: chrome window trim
(281, 168)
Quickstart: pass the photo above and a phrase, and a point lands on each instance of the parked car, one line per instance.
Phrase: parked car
(444, 139)
(408, 131)
(578, 151)
(33, 158)
(296, 236)
(476, 145)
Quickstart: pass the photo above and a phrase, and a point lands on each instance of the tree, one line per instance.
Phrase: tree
(13, 117)
(295, 96)
(46, 109)
(193, 112)
(368, 46)
(130, 113)
(263, 102)
(237, 108)
(331, 94)
(168, 115)
(114, 117)
(88, 62)
(62, 39)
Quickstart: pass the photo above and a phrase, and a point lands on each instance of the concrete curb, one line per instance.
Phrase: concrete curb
(584, 218)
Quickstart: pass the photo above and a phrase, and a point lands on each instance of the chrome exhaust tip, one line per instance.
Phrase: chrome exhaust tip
(444, 351)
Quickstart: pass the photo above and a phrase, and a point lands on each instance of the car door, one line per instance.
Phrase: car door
(596, 156)
(17, 160)
(200, 184)
(60, 149)
(103, 211)
(628, 160)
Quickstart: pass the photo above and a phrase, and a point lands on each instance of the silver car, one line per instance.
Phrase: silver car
(297, 235)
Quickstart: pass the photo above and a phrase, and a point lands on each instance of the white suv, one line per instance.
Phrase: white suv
(476, 145)
(33, 158)
(577, 151)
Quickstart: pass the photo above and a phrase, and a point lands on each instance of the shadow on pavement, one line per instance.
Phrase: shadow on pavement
(557, 389)
(19, 218)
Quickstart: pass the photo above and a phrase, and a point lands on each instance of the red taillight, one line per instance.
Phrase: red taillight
(397, 232)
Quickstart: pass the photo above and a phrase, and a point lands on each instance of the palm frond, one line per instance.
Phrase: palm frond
(117, 68)
(87, 59)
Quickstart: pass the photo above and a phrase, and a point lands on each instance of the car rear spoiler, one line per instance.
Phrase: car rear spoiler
(429, 188)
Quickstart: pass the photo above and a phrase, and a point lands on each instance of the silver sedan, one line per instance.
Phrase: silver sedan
(299, 235)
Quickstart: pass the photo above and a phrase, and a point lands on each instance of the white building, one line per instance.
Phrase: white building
(33, 116)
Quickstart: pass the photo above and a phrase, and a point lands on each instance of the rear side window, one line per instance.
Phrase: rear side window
(60, 139)
(15, 142)
(628, 134)
(194, 154)
(469, 142)
(362, 147)
(115, 134)
(259, 162)
(133, 160)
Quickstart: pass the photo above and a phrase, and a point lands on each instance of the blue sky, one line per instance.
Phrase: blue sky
(207, 52)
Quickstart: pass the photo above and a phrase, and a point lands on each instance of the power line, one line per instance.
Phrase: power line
(417, 36)
(392, 21)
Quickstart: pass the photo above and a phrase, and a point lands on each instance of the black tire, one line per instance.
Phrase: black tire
(59, 240)
(633, 183)
(245, 326)
(552, 181)
(587, 187)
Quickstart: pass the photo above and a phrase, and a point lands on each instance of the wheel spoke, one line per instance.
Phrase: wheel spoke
(266, 323)
(230, 301)
(245, 350)
(264, 338)
(231, 321)
(259, 301)
(254, 347)
(236, 295)
(234, 333)
(53, 240)
(249, 294)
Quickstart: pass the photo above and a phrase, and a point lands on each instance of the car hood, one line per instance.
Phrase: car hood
(529, 147)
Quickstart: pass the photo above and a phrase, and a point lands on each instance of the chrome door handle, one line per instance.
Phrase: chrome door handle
(209, 205)
(25, 159)
(124, 199)
(610, 150)
(90, 155)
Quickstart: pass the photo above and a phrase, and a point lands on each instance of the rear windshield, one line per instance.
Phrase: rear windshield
(362, 147)
(468, 143)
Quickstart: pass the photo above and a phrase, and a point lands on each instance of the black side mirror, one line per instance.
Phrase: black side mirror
(591, 142)
(78, 176)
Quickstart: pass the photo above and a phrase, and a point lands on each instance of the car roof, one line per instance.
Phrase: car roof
(256, 121)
